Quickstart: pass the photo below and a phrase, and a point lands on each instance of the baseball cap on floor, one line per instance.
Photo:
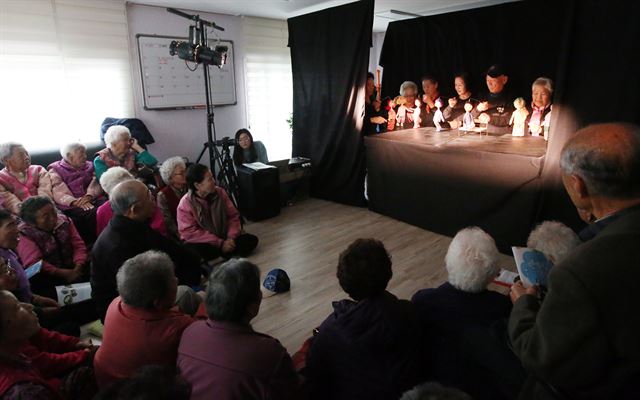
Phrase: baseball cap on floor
(277, 281)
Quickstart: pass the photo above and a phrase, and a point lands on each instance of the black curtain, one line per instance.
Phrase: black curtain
(585, 46)
(329, 59)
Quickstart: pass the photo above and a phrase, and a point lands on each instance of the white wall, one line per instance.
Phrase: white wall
(374, 53)
(182, 132)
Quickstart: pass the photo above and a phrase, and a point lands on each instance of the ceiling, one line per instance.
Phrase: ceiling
(385, 10)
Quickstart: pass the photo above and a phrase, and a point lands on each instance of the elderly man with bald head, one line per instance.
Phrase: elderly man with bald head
(129, 234)
(583, 342)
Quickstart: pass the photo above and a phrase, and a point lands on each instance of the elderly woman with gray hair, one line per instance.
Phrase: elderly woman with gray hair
(19, 179)
(142, 325)
(121, 151)
(76, 190)
(109, 180)
(463, 308)
(541, 93)
(173, 174)
(223, 357)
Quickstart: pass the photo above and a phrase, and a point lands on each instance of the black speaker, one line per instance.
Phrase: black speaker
(258, 192)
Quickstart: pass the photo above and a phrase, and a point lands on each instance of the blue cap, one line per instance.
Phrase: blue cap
(277, 281)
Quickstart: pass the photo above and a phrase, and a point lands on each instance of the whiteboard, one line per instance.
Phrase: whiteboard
(167, 82)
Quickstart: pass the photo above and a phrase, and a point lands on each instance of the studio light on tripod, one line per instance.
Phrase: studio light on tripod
(199, 53)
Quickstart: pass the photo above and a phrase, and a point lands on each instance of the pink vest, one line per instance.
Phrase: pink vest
(77, 180)
(22, 190)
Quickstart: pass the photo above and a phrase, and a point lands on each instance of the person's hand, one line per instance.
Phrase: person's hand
(452, 102)
(586, 215)
(455, 124)
(228, 246)
(426, 99)
(83, 202)
(484, 118)
(378, 120)
(518, 290)
(484, 106)
(84, 344)
(135, 146)
(70, 275)
(44, 302)
(376, 105)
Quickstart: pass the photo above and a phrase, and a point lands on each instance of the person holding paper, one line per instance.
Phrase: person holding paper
(582, 341)
(458, 317)
(53, 238)
(246, 150)
(208, 221)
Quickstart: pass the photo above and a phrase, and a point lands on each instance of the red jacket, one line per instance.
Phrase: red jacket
(47, 356)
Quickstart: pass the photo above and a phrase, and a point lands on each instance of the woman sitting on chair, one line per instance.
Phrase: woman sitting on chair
(248, 151)
(207, 219)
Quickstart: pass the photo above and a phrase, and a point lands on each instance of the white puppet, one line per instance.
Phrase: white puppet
(519, 117)
(438, 117)
(467, 119)
(416, 115)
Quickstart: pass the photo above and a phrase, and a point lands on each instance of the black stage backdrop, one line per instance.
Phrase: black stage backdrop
(329, 59)
(585, 46)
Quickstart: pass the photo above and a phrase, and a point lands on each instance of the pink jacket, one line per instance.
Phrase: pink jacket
(13, 192)
(30, 253)
(104, 214)
(191, 231)
(63, 196)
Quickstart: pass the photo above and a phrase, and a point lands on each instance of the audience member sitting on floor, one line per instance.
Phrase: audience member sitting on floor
(248, 151)
(152, 382)
(142, 326)
(553, 239)
(582, 341)
(110, 180)
(14, 279)
(19, 179)
(34, 361)
(76, 190)
(461, 308)
(122, 151)
(173, 172)
(371, 347)
(53, 238)
(223, 357)
(129, 234)
(208, 221)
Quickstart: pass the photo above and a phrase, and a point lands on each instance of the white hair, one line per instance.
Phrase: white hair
(114, 175)
(553, 239)
(169, 165)
(115, 133)
(544, 82)
(6, 149)
(406, 85)
(472, 260)
(69, 148)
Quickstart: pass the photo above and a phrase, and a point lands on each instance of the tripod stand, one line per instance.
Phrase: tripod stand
(226, 174)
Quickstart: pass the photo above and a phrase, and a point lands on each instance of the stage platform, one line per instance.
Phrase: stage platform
(445, 181)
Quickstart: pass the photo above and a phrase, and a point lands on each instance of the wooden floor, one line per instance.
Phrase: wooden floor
(306, 239)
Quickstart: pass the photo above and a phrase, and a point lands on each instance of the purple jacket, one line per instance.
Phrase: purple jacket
(227, 361)
(23, 292)
(371, 349)
(70, 183)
